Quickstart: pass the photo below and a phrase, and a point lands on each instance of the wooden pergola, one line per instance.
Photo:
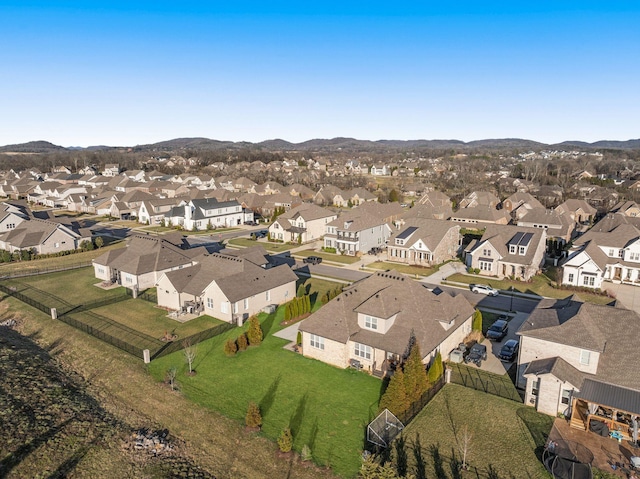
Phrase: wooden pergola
(616, 420)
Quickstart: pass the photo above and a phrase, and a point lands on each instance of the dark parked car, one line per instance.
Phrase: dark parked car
(251, 223)
(260, 234)
(477, 354)
(509, 351)
(312, 260)
(498, 330)
(375, 250)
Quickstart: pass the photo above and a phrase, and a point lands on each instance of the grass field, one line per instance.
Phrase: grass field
(273, 247)
(335, 258)
(327, 408)
(145, 317)
(55, 262)
(504, 434)
(540, 285)
(403, 268)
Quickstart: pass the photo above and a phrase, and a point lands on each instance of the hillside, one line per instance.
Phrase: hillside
(32, 147)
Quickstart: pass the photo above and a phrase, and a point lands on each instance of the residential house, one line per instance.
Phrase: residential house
(358, 196)
(305, 193)
(41, 237)
(145, 258)
(559, 226)
(480, 216)
(479, 198)
(330, 195)
(380, 169)
(424, 242)
(111, 170)
(435, 199)
(604, 254)
(371, 322)
(581, 360)
(509, 251)
(200, 214)
(627, 208)
(226, 287)
(364, 227)
(519, 203)
(303, 224)
(152, 211)
(579, 210)
(427, 211)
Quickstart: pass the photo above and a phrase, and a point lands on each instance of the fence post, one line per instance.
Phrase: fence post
(447, 375)
(54, 313)
(146, 355)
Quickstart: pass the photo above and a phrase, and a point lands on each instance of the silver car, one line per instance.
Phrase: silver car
(484, 289)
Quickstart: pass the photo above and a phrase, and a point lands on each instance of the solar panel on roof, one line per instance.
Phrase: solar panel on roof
(526, 239)
(516, 238)
(406, 233)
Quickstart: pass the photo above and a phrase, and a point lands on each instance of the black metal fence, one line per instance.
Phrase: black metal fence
(12, 291)
(479, 380)
(37, 271)
(172, 347)
(418, 405)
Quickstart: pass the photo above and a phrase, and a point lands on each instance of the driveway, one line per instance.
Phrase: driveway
(627, 294)
(493, 363)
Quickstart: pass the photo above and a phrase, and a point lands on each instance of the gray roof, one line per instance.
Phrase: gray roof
(383, 295)
(308, 211)
(610, 331)
(559, 368)
(481, 213)
(613, 396)
(431, 232)
(499, 237)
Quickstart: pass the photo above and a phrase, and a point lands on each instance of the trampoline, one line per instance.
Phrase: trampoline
(384, 429)
(568, 460)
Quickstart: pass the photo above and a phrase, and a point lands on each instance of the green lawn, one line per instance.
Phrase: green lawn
(333, 257)
(145, 317)
(504, 434)
(540, 285)
(73, 286)
(274, 247)
(403, 268)
(326, 408)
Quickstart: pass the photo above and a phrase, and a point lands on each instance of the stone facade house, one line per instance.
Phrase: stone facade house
(479, 198)
(509, 251)
(307, 222)
(581, 359)
(579, 210)
(226, 287)
(558, 226)
(424, 242)
(372, 320)
(480, 216)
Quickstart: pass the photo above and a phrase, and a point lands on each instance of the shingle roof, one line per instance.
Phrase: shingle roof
(431, 232)
(308, 211)
(383, 295)
(611, 331)
(499, 237)
(559, 368)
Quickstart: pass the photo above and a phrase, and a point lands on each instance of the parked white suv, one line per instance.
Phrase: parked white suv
(484, 289)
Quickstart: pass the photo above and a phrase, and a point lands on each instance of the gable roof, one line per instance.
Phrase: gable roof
(430, 231)
(384, 295)
(500, 236)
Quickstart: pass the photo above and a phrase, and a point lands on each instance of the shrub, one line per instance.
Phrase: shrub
(305, 454)
(285, 440)
(476, 321)
(242, 342)
(329, 250)
(230, 347)
(436, 369)
(254, 334)
(395, 397)
(253, 417)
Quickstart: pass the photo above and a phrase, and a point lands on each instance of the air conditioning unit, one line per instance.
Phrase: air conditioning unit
(532, 400)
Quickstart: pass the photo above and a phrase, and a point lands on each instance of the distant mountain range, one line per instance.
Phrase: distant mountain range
(328, 144)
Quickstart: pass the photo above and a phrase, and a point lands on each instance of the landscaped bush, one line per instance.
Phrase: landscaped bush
(253, 418)
(254, 334)
(242, 342)
(328, 249)
(285, 440)
(230, 347)
(476, 321)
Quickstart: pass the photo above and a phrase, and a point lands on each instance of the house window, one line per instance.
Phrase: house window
(370, 323)
(235, 308)
(57, 245)
(566, 396)
(268, 295)
(512, 249)
(210, 303)
(522, 251)
(570, 278)
(224, 307)
(317, 341)
(100, 270)
(246, 303)
(485, 265)
(611, 252)
(620, 253)
(535, 387)
(634, 256)
(486, 252)
(362, 351)
(588, 280)
(585, 357)
(128, 279)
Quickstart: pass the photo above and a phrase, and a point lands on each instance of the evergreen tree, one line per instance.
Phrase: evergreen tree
(415, 376)
(254, 334)
(287, 312)
(476, 321)
(301, 291)
(436, 369)
(395, 397)
(253, 417)
(230, 347)
(242, 342)
(307, 300)
(285, 440)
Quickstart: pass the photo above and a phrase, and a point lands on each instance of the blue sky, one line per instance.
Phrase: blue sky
(131, 72)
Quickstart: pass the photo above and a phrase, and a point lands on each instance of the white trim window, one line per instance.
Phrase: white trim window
(371, 322)
(268, 295)
(486, 265)
(588, 280)
(316, 341)
(224, 307)
(210, 303)
(570, 279)
(246, 303)
(362, 351)
(585, 357)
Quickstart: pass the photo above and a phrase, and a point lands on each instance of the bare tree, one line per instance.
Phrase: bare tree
(171, 377)
(190, 353)
(464, 444)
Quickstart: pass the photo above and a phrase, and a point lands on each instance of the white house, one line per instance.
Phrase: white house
(200, 214)
(307, 222)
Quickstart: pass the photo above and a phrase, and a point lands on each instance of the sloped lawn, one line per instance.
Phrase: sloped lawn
(326, 408)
